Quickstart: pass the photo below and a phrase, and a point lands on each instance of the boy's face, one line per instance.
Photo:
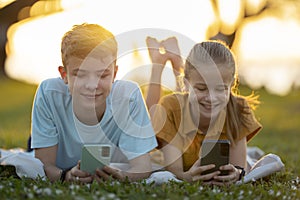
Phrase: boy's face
(90, 81)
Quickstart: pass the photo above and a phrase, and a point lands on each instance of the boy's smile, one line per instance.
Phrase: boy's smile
(90, 81)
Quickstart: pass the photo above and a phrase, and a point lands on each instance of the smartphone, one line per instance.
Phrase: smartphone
(215, 152)
(95, 156)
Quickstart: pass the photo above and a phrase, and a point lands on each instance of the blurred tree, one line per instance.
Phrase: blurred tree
(228, 38)
(9, 15)
(273, 6)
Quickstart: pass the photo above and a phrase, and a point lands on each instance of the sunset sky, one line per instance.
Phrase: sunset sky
(267, 44)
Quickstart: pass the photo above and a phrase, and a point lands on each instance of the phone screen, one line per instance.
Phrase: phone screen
(215, 152)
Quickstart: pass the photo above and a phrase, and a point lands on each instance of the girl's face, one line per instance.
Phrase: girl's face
(211, 87)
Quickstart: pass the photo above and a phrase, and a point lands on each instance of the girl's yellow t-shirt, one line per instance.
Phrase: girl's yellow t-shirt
(174, 124)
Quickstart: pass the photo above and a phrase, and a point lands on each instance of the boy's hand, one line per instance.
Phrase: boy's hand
(107, 173)
(76, 175)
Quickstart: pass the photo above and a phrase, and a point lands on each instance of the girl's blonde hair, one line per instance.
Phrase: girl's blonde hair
(85, 38)
(218, 53)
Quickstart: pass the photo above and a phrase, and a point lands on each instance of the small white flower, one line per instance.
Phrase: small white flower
(71, 187)
(47, 191)
(38, 191)
(30, 195)
(111, 195)
(74, 187)
(293, 187)
(58, 192)
(278, 194)
(271, 192)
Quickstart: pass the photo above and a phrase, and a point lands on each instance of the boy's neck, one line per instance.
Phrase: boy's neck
(90, 117)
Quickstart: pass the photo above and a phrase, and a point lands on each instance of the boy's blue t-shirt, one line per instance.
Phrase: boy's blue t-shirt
(125, 124)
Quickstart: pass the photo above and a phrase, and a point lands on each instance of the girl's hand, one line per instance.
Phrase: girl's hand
(196, 170)
(76, 175)
(232, 177)
(107, 173)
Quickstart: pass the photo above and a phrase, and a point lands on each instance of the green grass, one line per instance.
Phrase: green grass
(280, 117)
(15, 112)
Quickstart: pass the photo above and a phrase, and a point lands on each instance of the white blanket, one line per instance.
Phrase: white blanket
(28, 166)
(25, 162)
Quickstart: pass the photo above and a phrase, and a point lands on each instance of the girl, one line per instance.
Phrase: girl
(208, 108)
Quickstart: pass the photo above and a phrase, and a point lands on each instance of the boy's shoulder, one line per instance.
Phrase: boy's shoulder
(124, 86)
(53, 84)
(124, 89)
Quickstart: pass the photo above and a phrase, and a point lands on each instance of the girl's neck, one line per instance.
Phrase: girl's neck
(213, 125)
(204, 124)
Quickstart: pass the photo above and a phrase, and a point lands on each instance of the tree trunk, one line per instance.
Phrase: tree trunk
(9, 16)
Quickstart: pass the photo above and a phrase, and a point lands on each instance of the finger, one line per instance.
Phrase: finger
(232, 177)
(116, 173)
(102, 174)
(82, 174)
(98, 178)
(74, 179)
(88, 179)
(200, 169)
(205, 177)
(229, 167)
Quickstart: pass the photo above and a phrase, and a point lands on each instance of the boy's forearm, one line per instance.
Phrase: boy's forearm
(132, 175)
(140, 168)
(53, 173)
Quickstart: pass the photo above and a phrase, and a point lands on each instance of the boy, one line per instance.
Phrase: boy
(86, 106)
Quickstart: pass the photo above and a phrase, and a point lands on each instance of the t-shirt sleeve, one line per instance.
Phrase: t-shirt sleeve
(133, 119)
(43, 130)
(165, 121)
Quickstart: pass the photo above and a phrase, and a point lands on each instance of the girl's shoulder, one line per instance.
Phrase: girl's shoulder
(241, 102)
(176, 98)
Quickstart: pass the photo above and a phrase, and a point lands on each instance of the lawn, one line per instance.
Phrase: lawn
(280, 117)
